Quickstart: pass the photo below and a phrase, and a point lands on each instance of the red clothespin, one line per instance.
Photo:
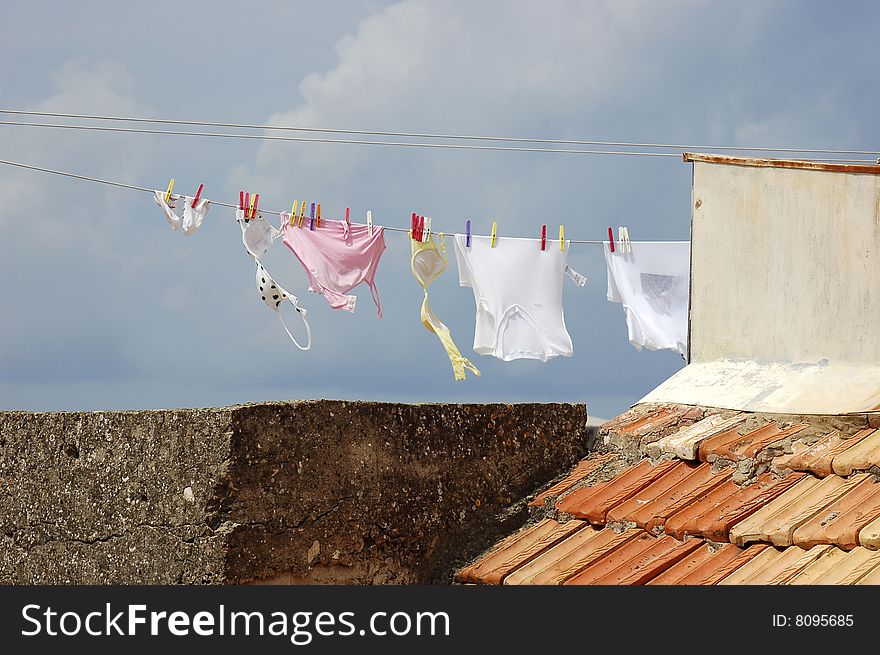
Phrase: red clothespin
(348, 216)
(198, 195)
(247, 202)
(241, 199)
(421, 228)
(413, 226)
(467, 227)
(544, 237)
(610, 239)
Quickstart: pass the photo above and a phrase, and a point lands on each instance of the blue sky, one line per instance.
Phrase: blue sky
(103, 307)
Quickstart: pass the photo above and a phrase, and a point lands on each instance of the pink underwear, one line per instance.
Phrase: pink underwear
(338, 257)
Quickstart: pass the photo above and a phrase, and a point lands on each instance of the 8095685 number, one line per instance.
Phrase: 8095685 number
(823, 620)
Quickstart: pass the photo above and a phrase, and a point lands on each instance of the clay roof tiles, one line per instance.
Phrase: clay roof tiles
(812, 518)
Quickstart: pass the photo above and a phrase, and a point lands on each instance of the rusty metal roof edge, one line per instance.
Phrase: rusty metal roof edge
(867, 169)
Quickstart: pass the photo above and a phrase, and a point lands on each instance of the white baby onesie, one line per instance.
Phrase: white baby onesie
(518, 291)
(652, 282)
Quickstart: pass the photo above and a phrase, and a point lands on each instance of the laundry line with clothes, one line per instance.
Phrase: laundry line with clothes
(517, 282)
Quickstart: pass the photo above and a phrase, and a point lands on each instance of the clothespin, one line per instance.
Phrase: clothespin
(467, 227)
(421, 228)
(494, 232)
(254, 204)
(318, 216)
(302, 213)
(427, 229)
(610, 239)
(414, 226)
(198, 195)
(241, 200)
(544, 237)
(348, 216)
(370, 222)
(247, 202)
(312, 217)
(168, 191)
(562, 238)
(623, 237)
(292, 220)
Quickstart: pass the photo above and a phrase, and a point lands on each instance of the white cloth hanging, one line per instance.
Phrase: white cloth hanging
(652, 283)
(518, 291)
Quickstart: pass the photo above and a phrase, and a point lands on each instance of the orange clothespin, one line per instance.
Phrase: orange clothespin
(318, 216)
(562, 237)
(370, 222)
(494, 232)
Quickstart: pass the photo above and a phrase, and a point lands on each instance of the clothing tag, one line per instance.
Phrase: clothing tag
(576, 277)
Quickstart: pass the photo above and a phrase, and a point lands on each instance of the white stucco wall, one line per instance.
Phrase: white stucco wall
(785, 291)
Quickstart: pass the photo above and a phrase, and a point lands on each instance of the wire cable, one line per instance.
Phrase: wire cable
(177, 196)
(406, 144)
(425, 135)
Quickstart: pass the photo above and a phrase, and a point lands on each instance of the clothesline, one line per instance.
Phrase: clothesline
(425, 135)
(176, 196)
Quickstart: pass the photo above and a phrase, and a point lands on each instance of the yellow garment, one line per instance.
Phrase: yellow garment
(428, 263)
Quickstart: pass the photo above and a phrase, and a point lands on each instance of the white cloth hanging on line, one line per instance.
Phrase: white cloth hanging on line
(518, 291)
(652, 282)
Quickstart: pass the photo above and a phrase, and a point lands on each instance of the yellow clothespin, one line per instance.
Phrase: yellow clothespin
(318, 215)
(250, 211)
(494, 232)
(292, 220)
(370, 222)
(562, 237)
(302, 213)
(169, 190)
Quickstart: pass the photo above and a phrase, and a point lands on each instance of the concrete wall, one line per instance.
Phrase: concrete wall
(317, 491)
(785, 291)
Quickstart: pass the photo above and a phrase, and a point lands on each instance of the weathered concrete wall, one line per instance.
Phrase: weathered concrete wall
(312, 491)
(785, 303)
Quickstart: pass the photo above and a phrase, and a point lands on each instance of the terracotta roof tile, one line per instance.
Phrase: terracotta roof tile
(790, 562)
(612, 560)
(626, 510)
(712, 515)
(751, 566)
(723, 563)
(656, 420)
(686, 566)
(816, 458)
(860, 457)
(841, 520)
(593, 503)
(573, 542)
(776, 522)
(582, 470)
(869, 536)
(513, 552)
(577, 560)
(734, 446)
(663, 553)
(700, 482)
(871, 577)
(818, 568)
(851, 567)
(685, 443)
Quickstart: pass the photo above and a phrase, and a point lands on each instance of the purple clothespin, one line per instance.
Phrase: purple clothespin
(468, 229)
(312, 217)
